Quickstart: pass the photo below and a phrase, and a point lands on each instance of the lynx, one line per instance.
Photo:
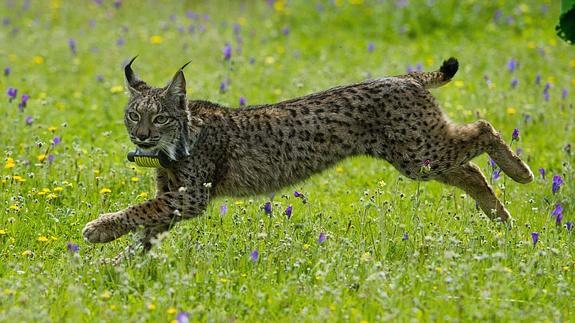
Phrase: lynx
(218, 151)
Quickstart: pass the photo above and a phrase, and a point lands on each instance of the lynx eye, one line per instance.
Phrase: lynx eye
(161, 119)
(134, 116)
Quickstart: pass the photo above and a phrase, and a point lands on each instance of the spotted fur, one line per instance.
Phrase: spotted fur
(261, 149)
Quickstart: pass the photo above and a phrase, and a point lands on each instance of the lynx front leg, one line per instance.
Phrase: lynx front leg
(469, 178)
(166, 209)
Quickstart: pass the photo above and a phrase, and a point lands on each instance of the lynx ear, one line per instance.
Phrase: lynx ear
(177, 86)
(135, 85)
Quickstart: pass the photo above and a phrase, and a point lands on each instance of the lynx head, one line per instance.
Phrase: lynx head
(157, 119)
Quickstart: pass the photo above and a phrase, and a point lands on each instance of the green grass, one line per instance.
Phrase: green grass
(456, 265)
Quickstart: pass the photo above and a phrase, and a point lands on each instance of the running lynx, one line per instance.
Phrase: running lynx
(216, 151)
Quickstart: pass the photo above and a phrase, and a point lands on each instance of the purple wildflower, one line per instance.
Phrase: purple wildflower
(223, 87)
(24, 101)
(252, 60)
(7, 70)
(518, 151)
(236, 28)
(512, 65)
(56, 140)
(557, 210)
(297, 194)
(51, 158)
(564, 93)
(514, 82)
(559, 218)
(191, 15)
(227, 52)
(370, 47)
(419, 67)
(288, 211)
(487, 80)
(496, 174)
(98, 2)
(492, 163)
(569, 225)
(515, 134)
(12, 93)
(321, 238)
(535, 237)
(286, 31)
(546, 91)
(223, 209)
(120, 41)
(72, 45)
(405, 236)
(542, 172)
(117, 4)
(99, 78)
(255, 255)
(72, 247)
(29, 120)
(242, 101)
(183, 317)
(557, 182)
(268, 208)
(538, 79)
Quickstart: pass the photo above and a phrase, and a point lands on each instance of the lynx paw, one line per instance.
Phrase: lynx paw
(104, 229)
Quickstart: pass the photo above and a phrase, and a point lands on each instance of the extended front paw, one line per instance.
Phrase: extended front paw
(106, 228)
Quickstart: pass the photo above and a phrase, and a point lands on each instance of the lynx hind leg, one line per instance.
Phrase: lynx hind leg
(469, 178)
(502, 154)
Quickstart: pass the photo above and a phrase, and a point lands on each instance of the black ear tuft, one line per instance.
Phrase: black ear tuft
(177, 86)
(130, 76)
(135, 85)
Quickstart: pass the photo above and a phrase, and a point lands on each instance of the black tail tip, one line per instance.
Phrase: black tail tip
(449, 67)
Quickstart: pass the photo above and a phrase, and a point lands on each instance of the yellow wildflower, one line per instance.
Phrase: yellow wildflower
(117, 89)
(42, 239)
(306, 246)
(172, 310)
(511, 111)
(9, 163)
(41, 157)
(52, 129)
(339, 169)
(2, 232)
(270, 60)
(151, 306)
(18, 178)
(135, 179)
(242, 21)
(106, 295)
(44, 191)
(51, 196)
(279, 6)
(156, 39)
(459, 84)
(58, 189)
(143, 195)
(14, 207)
(38, 60)
(105, 190)
(27, 253)
(223, 280)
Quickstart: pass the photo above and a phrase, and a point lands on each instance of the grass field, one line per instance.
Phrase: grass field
(367, 245)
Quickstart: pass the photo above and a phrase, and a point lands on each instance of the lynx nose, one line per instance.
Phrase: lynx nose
(142, 136)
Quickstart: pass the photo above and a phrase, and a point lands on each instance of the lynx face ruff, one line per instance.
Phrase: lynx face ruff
(261, 149)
